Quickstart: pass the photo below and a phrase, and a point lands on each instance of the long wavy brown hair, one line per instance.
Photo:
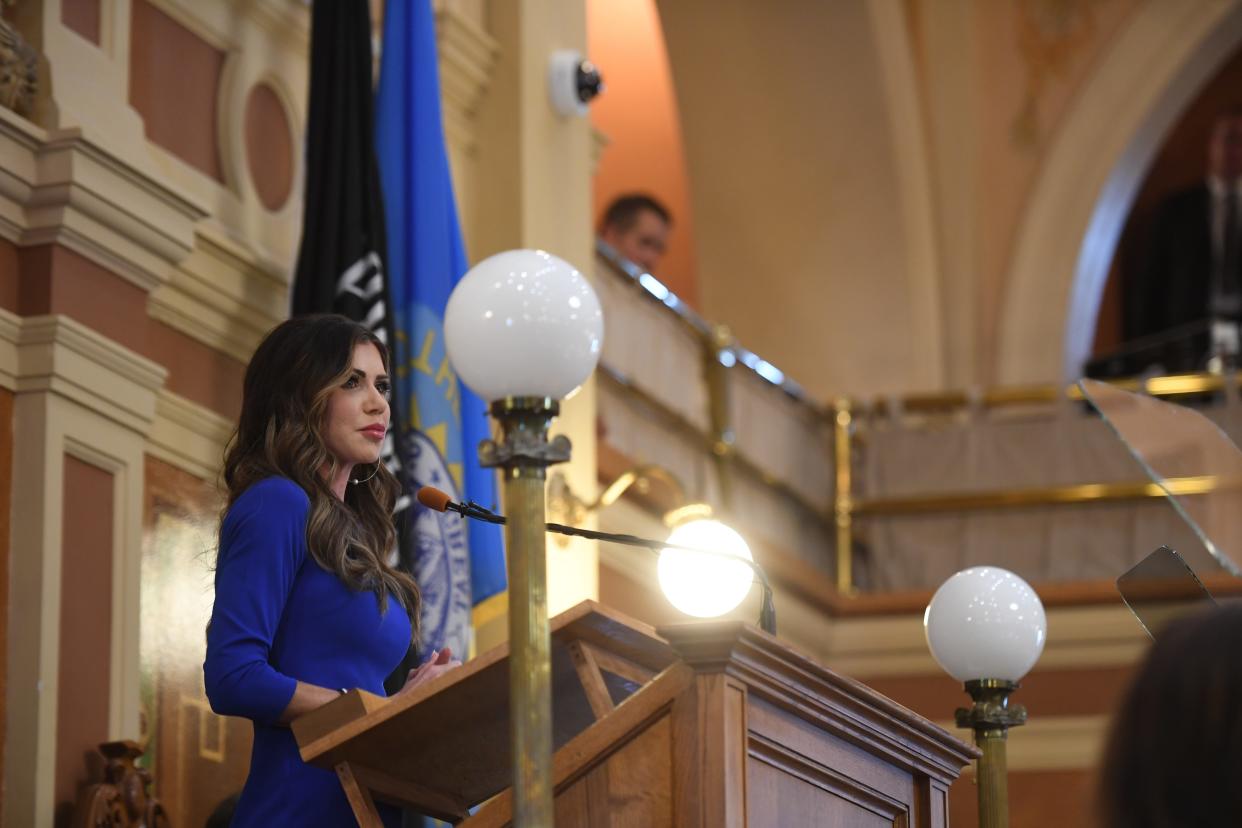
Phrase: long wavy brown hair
(280, 433)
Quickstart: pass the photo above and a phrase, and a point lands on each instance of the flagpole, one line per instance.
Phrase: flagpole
(523, 454)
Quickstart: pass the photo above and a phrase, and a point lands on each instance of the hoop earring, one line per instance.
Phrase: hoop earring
(356, 481)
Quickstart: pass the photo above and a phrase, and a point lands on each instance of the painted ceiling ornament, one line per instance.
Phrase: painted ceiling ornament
(18, 70)
(1050, 35)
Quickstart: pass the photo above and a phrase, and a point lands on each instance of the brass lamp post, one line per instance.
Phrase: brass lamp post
(986, 627)
(524, 330)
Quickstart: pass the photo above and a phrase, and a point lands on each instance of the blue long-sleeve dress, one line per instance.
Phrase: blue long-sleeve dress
(280, 618)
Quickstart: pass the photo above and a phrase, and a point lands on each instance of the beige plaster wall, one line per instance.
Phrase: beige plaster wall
(1034, 56)
(798, 220)
(861, 172)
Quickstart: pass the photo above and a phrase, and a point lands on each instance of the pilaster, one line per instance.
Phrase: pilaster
(77, 394)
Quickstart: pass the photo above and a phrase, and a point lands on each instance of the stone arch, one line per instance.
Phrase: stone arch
(1092, 171)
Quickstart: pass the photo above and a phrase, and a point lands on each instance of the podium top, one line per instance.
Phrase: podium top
(445, 747)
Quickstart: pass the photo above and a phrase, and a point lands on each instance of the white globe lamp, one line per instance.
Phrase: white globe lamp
(523, 323)
(986, 627)
(703, 584)
(985, 623)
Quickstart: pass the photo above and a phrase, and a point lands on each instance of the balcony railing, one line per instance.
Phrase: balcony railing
(885, 494)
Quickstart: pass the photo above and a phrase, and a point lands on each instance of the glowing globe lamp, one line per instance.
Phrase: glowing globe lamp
(701, 584)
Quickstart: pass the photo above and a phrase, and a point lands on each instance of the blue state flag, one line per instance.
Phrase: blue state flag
(456, 566)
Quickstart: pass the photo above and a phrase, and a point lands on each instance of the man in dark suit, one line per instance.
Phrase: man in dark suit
(1186, 299)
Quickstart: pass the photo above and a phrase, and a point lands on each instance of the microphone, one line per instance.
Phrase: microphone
(439, 500)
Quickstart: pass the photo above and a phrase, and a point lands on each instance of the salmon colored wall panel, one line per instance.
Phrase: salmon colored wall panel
(6, 497)
(269, 147)
(196, 372)
(1064, 799)
(174, 80)
(55, 279)
(51, 279)
(83, 17)
(1043, 692)
(85, 627)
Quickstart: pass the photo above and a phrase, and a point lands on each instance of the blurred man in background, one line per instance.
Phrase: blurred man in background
(1187, 298)
(637, 227)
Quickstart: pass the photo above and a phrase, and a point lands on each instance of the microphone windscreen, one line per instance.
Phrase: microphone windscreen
(433, 498)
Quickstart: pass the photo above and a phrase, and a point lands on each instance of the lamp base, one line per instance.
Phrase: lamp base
(526, 449)
(991, 708)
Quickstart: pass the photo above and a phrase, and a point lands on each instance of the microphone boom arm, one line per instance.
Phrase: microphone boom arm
(438, 500)
(767, 609)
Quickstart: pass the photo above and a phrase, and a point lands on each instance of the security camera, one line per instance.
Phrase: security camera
(572, 82)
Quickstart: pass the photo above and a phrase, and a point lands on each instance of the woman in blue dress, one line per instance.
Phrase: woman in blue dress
(307, 605)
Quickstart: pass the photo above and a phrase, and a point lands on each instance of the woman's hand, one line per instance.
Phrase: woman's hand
(440, 662)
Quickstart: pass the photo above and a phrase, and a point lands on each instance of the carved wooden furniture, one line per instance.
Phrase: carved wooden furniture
(123, 799)
(714, 724)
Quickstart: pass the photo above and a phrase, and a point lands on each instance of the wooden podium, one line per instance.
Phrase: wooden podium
(710, 724)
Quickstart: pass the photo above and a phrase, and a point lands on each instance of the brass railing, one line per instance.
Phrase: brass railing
(848, 507)
(710, 443)
(721, 351)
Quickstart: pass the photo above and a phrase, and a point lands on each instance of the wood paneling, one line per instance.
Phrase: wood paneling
(174, 81)
(634, 787)
(743, 730)
(82, 700)
(778, 736)
(791, 795)
(470, 724)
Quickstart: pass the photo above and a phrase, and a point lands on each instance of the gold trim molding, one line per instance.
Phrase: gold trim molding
(1041, 496)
